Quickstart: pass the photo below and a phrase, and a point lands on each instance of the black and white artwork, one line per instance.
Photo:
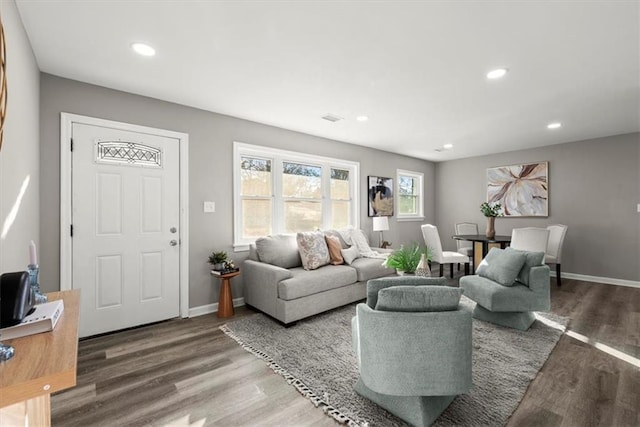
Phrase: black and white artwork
(380, 196)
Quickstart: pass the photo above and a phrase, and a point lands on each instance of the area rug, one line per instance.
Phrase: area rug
(316, 357)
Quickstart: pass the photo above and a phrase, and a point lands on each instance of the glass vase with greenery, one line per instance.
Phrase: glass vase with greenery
(491, 210)
(406, 259)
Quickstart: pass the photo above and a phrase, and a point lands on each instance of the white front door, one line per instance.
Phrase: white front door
(125, 219)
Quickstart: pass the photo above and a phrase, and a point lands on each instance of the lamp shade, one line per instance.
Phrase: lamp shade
(380, 223)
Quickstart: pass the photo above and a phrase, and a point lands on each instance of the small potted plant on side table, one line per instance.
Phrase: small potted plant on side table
(218, 260)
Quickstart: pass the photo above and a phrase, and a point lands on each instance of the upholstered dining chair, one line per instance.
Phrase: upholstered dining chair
(553, 254)
(530, 239)
(432, 240)
(465, 247)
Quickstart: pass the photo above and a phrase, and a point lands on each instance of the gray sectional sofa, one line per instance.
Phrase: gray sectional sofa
(276, 283)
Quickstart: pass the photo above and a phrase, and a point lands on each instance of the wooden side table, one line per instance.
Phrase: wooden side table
(44, 363)
(225, 300)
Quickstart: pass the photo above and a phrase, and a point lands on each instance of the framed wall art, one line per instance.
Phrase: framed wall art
(522, 190)
(380, 196)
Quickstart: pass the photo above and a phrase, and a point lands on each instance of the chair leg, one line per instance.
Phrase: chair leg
(458, 266)
(451, 270)
(466, 268)
(441, 272)
(558, 279)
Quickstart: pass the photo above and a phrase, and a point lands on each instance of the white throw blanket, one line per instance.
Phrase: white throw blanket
(356, 238)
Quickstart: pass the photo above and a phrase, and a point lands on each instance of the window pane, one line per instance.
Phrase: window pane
(301, 181)
(256, 218)
(302, 216)
(408, 204)
(255, 177)
(339, 214)
(339, 184)
(408, 185)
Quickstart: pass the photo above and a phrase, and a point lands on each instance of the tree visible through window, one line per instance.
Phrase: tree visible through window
(410, 194)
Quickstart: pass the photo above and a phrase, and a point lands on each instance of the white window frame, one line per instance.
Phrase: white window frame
(419, 216)
(277, 156)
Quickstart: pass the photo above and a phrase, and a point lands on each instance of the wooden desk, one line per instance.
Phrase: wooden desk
(481, 245)
(225, 300)
(43, 363)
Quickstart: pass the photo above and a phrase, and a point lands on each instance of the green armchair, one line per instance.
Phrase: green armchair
(413, 343)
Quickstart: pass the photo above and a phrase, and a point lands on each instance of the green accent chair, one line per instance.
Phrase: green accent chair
(510, 285)
(413, 344)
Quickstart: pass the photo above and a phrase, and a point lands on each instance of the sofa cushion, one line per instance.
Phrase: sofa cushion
(375, 285)
(371, 268)
(280, 250)
(350, 254)
(418, 298)
(502, 266)
(306, 282)
(313, 249)
(335, 255)
(495, 297)
(532, 259)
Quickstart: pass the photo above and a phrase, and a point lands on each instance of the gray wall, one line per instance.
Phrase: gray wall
(19, 159)
(594, 188)
(210, 170)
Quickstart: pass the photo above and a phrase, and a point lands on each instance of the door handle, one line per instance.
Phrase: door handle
(173, 242)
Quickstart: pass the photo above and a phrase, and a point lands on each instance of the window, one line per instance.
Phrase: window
(277, 191)
(410, 195)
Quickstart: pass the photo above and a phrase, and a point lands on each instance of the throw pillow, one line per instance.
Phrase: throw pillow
(336, 233)
(280, 250)
(333, 243)
(419, 298)
(350, 254)
(375, 285)
(532, 259)
(502, 266)
(313, 250)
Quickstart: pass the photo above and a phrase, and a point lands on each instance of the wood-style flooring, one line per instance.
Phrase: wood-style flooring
(187, 372)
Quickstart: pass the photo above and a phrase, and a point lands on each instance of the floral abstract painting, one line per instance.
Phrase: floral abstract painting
(521, 189)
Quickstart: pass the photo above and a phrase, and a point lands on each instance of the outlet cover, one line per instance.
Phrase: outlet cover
(209, 207)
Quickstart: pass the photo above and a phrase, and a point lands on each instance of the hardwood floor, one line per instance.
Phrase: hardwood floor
(187, 372)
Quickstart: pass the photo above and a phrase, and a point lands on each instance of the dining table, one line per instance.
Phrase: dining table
(481, 245)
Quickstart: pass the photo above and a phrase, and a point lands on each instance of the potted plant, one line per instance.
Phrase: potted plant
(491, 211)
(406, 260)
(218, 259)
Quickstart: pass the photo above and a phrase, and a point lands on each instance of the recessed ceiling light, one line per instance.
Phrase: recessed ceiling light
(362, 118)
(554, 125)
(497, 73)
(447, 146)
(143, 49)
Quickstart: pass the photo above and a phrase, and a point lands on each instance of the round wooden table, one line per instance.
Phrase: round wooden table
(225, 300)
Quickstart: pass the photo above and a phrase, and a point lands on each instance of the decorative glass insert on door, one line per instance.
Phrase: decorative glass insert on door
(128, 153)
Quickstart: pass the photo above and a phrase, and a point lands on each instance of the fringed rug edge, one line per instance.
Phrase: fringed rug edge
(297, 383)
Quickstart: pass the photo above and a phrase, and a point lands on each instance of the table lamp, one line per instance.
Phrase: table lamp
(381, 224)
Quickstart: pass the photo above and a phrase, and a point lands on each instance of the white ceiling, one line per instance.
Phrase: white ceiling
(417, 69)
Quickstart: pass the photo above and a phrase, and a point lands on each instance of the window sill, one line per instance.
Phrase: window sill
(240, 247)
(410, 218)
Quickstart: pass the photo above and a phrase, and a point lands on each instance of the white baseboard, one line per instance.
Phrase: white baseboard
(596, 279)
(212, 308)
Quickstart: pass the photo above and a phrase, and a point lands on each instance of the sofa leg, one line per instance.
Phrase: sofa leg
(558, 279)
(441, 271)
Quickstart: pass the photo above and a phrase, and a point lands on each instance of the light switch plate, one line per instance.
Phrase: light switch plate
(638, 207)
(209, 207)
